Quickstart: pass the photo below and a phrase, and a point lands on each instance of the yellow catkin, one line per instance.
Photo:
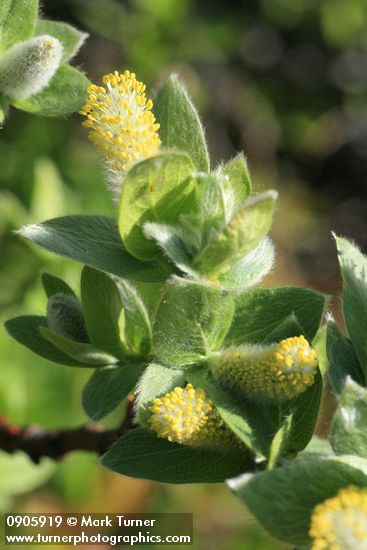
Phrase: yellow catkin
(340, 523)
(278, 372)
(185, 415)
(120, 119)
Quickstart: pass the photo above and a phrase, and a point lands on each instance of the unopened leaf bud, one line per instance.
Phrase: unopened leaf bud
(65, 316)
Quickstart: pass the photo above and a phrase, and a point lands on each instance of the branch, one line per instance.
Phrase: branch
(37, 442)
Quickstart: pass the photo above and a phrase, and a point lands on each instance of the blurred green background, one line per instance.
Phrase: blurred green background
(284, 81)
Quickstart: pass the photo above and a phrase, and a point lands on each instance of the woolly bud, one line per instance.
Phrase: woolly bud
(340, 522)
(65, 316)
(27, 67)
(121, 123)
(272, 373)
(185, 415)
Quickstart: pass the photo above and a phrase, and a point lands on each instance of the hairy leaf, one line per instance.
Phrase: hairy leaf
(283, 499)
(26, 330)
(95, 241)
(191, 321)
(17, 21)
(137, 330)
(156, 381)
(259, 312)
(157, 189)
(180, 123)
(66, 93)
(142, 454)
(70, 38)
(342, 358)
(108, 387)
(102, 307)
(251, 269)
(239, 177)
(348, 434)
(242, 234)
(353, 266)
(81, 352)
(232, 410)
(54, 285)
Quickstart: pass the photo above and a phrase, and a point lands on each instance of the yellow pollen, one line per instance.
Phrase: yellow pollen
(277, 372)
(340, 523)
(185, 415)
(120, 120)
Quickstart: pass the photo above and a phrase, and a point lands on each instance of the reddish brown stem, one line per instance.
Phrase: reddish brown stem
(37, 442)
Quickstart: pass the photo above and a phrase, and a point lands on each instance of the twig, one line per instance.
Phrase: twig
(37, 442)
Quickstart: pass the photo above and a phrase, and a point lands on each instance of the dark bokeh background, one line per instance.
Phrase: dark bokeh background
(284, 81)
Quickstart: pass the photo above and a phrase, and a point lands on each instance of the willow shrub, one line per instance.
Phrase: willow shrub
(226, 378)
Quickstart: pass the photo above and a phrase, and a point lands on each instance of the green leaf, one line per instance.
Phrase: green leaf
(293, 420)
(182, 242)
(302, 414)
(138, 330)
(278, 444)
(296, 418)
(242, 234)
(232, 410)
(251, 269)
(150, 293)
(70, 38)
(141, 454)
(102, 307)
(66, 93)
(191, 321)
(215, 206)
(283, 499)
(26, 331)
(116, 318)
(180, 123)
(156, 380)
(259, 312)
(157, 189)
(53, 285)
(286, 328)
(257, 424)
(342, 358)
(4, 107)
(95, 241)
(353, 266)
(107, 387)
(319, 344)
(170, 239)
(17, 21)
(83, 353)
(348, 433)
(317, 445)
(239, 177)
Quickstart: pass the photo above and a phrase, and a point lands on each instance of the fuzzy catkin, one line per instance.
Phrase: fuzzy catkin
(273, 373)
(187, 416)
(65, 316)
(27, 67)
(340, 522)
(121, 124)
